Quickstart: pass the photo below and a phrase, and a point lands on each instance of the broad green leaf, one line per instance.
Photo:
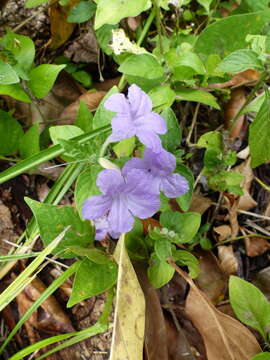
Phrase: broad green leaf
(180, 57)
(255, 105)
(52, 220)
(259, 134)
(172, 139)
(7, 74)
(162, 97)
(206, 4)
(84, 119)
(257, 5)
(33, 3)
(15, 91)
(86, 185)
(227, 181)
(185, 200)
(159, 272)
(185, 258)
(83, 77)
(240, 60)
(95, 255)
(42, 79)
(210, 140)
(262, 356)
(29, 144)
(92, 279)
(111, 12)
(103, 116)
(145, 84)
(163, 248)
(135, 242)
(23, 49)
(250, 305)
(10, 134)
(229, 34)
(124, 147)
(129, 315)
(185, 225)
(200, 96)
(65, 132)
(142, 65)
(81, 12)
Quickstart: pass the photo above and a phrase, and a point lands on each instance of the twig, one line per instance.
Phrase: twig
(193, 123)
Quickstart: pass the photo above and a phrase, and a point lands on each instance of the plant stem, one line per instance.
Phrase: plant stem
(158, 24)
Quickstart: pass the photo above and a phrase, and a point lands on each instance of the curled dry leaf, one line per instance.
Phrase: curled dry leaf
(231, 202)
(224, 337)
(232, 107)
(148, 224)
(228, 261)
(200, 203)
(222, 232)
(256, 246)
(247, 77)
(91, 99)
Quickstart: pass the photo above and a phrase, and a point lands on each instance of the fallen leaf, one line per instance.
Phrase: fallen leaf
(228, 261)
(224, 337)
(91, 99)
(200, 203)
(149, 223)
(222, 232)
(256, 246)
(231, 109)
(232, 206)
(107, 84)
(129, 316)
(247, 77)
(60, 28)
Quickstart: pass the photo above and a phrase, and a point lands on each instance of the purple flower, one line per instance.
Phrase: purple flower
(134, 116)
(103, 228)
(159, 168)
(122, 198)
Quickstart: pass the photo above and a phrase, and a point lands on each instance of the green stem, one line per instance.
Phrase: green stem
(9, 159)
(158, 24)
(242, 237)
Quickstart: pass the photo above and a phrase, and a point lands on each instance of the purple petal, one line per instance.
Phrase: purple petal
(143, 206)
(110, 181)
(174, 185)
(102, 227)
(96, 207)
(162, 160)
(122, 127)
(134, 163)
(140, 102)
(149, 139)
(117, 103)
(137, 182)
(152, 122)
(120, 219)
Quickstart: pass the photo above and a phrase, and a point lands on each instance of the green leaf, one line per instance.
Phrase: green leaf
(162, 97)
(111, 12)
(257, 5)
(227, 181)
(163, 248)
(42, 79)
(29, 144)
(262, 356)
(229, 34)
(10, 134)
(15, 91)
(103, 116)
(206, 4)
(23, 49)
(86, 185)
(200, 96)
(33, 3)
(186, 225)
(240, 60)
(172, 139)
(159, 272)
(250, 305)
(81, 12)
(92, 279)
(95, 255)
(124, 147)
(83, 77)
(255, 105)
(104, 36)
(84, 119)
(52, 220)
(181, 57)
(259, 134)
(7, 74)
(142, 65)
(211, 140)
(185, 200)
(185, 258)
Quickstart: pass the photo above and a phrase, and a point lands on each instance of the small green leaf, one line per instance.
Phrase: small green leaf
(103, 116)
(10, 134)
(42, 79)
(262, 356)
(163, 248)
(34, 3)
(15, 91)
(159, 272)
(29, 144)
(172, 139)
(200, 96)
(95, 255)
(81, 12)
(259, 134)
(124, 147)
(240, 60)
(227, 181)
(92, 279)
(185, 258)
(250, 305)
(52, 220)
(83, 77)
(206, 4)
(7, 74)
(84, 119)
(185, 200)
(142, 65)
(104, 36)
(111, 12)
(211, 140)
(162, 97)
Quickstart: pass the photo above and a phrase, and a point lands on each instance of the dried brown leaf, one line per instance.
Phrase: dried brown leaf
(222, 232)
(228, 261)
(84, 49)
(224, 337)
(232, 107)
(232, 206)
(247, 77)
(256, 246)
(200, 203)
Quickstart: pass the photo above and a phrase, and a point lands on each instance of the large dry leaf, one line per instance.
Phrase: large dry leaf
(232, 107)
(247, 77)
(129, 317)
(228, 261)
(224, 337)
(200, 204)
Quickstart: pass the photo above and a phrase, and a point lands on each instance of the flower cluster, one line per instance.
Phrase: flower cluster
(134, 190)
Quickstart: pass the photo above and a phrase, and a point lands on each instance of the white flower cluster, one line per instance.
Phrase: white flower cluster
(121, 43)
